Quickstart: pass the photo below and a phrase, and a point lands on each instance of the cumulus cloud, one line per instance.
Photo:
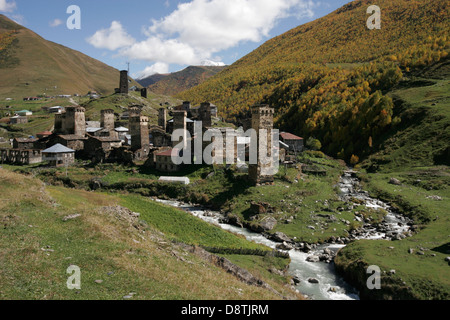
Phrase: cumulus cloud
(7, 6)
(159, 67)
(55, 23)
(157, 49)
(113, 38)
(199, 29)
(217, 25)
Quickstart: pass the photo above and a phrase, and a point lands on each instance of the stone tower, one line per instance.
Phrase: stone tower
(205, 114)
(134, 111)
(144, 93)
(262, 118)
(123, 87)
(139, 131)
(75, 121)
(107, 119)
(162, 118)
(179, 122)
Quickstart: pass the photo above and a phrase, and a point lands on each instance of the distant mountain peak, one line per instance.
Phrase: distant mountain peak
(210, 63)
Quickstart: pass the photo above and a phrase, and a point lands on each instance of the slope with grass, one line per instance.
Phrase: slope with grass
(329, 78)
(44, 232)
(31, 66)
(417, 154)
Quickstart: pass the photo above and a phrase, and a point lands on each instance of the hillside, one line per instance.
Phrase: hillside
(31, 66)
(148, 81)
(121, 254)
(329, 78)
(174, 83)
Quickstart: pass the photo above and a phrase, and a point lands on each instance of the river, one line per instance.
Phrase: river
(330, 285)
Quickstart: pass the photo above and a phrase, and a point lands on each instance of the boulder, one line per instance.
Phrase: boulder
(313, 280)
(280, 237)
(268, 223)
(285, 246)
(313, 259)
(395, 182)
(296, 280)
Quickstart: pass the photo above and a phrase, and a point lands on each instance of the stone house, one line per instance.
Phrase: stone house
(59, 156)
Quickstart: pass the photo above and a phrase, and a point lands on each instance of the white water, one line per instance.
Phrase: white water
(325, 273)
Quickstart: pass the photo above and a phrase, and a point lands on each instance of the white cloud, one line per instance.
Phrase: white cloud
(55, 23)
(210, 63)
(6, 6)
(217, 25)
(112, 39)
(156, 49)
(199, 29)
(159, 67)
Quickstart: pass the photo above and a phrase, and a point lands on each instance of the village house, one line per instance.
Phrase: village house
(56, 109)
(163, 161)
(24, 143)
(18, 120)
(59, 156)
(20, 156)
(24, 113)
(295, 143)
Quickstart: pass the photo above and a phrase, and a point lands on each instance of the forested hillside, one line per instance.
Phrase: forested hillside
(330, 78)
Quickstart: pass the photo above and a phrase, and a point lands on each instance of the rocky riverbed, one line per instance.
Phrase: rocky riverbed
(312, 268)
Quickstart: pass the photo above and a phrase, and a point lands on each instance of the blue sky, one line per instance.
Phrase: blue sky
(166, 35)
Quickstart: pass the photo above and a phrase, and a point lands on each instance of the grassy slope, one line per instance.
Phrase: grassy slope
(42, 65)
(105, 248)
(416, 155)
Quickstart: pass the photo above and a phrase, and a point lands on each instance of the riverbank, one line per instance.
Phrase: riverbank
(416, 267)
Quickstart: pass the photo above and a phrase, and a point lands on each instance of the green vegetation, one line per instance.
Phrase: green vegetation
(31, 66)
(309, 199)
(117, 256)
(181, 227)
(417, 155)
(329, 78)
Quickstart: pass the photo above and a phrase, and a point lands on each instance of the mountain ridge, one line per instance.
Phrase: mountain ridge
(176, 82)
(328, 78)
(36, 66)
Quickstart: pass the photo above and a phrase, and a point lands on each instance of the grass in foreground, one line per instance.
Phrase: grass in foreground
(37, 246)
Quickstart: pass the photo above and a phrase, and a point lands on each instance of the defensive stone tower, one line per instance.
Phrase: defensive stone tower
(144, 93)
(205, 114)
(75, 121)
(262, 119)
(179, 122)
(123, 87)
(139, 132)
(107, 119)
(162, 118)
(134, 111)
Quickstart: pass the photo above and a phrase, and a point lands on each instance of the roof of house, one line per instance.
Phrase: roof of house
(71, 137)
(289, 136)
(25, 140)
(44, 133)
(187, 120)
(58, 148)
(93, 124)
(167, 153)
(121, 129)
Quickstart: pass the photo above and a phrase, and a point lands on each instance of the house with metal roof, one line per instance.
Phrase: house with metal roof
(59, 156)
